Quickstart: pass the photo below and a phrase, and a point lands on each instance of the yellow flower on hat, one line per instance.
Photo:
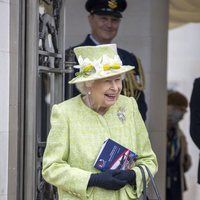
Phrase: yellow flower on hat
(108, 67)
(116, 66)
(87, 68)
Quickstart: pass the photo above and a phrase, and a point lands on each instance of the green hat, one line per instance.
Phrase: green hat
(97, 62)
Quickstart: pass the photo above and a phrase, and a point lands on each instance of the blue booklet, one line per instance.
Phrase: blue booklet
(112, 155)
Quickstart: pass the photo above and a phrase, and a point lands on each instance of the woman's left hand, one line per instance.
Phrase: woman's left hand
(128, 175)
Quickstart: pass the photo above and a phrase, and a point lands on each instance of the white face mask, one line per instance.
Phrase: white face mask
(175, 116)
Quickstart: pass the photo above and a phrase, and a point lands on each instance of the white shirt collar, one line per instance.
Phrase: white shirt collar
(94, 40)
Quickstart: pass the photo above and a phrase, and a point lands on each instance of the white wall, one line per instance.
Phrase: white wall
(4, 95)
(183, 68)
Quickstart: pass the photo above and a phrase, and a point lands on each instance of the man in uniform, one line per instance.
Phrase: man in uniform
(104, 19)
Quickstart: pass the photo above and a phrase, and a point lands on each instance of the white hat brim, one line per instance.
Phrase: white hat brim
(105, 74)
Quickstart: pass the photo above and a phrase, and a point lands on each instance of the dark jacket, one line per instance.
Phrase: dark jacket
(127, 59)
(178, 162)
(195, 116)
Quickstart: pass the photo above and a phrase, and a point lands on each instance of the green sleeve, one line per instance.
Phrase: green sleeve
(56, 169)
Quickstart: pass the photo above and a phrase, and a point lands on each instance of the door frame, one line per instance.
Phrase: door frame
(22, 156)
(16, 100)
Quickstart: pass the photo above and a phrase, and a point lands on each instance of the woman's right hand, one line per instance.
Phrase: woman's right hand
(107, 180)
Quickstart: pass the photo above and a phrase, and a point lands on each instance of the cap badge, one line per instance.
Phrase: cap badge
(112, 4)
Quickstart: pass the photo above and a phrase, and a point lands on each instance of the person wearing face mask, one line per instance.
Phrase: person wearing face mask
(178, 158)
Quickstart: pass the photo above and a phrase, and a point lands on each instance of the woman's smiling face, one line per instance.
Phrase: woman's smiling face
(105, 92)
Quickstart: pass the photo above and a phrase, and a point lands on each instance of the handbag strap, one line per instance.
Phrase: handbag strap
(153, 183)
(151, 179)
(144, 183)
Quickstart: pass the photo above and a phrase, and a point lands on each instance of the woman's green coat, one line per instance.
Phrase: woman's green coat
(76, 136)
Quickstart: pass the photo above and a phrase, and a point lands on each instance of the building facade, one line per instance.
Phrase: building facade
(32, 73)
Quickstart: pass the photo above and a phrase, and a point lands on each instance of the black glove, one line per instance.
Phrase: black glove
(107, 180)
(128, 175)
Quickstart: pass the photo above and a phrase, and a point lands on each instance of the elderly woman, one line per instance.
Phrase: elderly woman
(80, 125)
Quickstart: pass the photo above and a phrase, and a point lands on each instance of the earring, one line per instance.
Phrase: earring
(89, 93)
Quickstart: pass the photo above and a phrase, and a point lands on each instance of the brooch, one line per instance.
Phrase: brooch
(121, 114)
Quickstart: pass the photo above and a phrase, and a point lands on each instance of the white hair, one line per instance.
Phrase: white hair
(83, 86)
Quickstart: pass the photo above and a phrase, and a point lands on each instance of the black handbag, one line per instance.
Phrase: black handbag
(145, 197)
